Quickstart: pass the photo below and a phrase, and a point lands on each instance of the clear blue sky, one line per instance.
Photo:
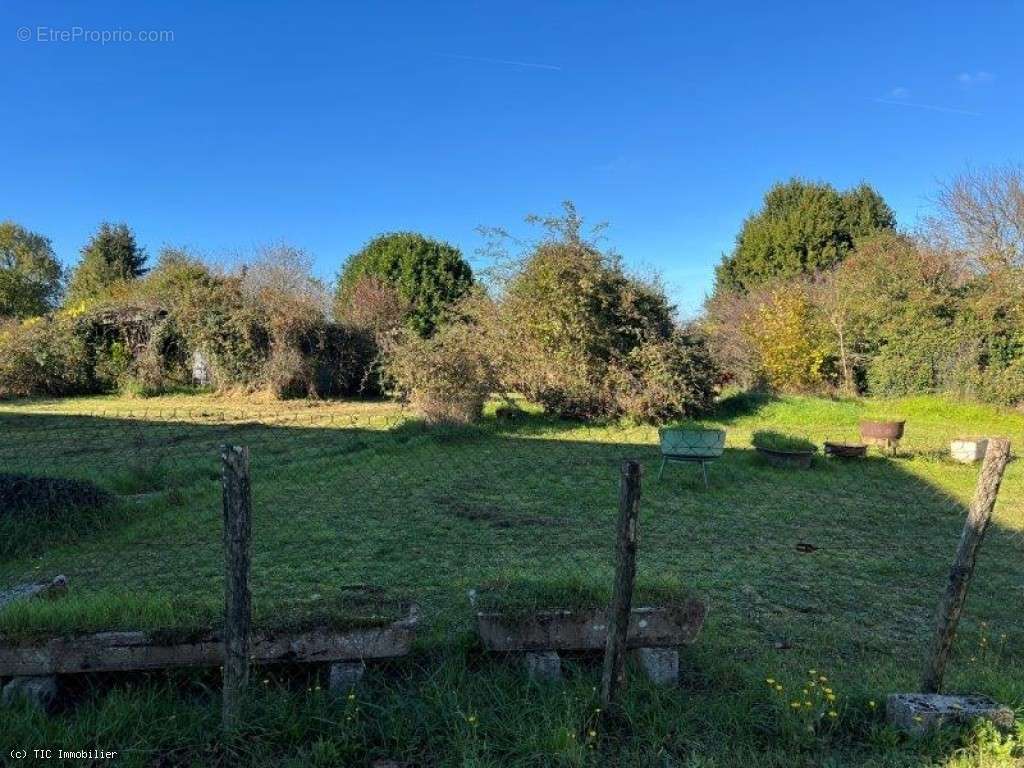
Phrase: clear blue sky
(322, 124)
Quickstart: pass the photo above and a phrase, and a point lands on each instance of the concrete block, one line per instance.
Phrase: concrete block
(344, 676)
(40, 692)
(916, 713)
(659, 665)
(543, 665)
(968, 450)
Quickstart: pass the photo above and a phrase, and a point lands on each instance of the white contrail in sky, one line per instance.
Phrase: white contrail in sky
(501, 61)
(932, 107)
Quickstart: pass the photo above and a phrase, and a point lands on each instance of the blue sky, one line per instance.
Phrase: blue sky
(322, 124)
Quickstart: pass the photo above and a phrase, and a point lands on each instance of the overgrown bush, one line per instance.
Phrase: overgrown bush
(659, 381)
(44, 356)
(447, 377)
(789, 336)
(571, 326)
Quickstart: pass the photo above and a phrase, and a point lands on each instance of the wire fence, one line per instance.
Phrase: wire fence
(364, 503)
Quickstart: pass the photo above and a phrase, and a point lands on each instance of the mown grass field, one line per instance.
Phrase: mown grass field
(837, 569)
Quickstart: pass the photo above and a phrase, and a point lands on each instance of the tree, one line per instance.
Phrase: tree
(429, 275)
(110, 257)
(801, 228)
(30, 275)
(981, 216)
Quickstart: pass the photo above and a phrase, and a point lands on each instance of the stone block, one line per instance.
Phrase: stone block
(40, 692)
(543, 665)
(659, 665)
(916, 713)
(344, 676)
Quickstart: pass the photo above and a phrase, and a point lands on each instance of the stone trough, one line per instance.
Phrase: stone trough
(917, 713)
(654, 636)
(36, 667)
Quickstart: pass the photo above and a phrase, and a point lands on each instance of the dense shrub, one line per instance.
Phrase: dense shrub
(447, 377)
(569, 317)
(663, 380)
(790, 339)
(44, 356)
(374, 306)
(429, 276)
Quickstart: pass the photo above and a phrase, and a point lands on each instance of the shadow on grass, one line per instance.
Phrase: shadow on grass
(834, 558)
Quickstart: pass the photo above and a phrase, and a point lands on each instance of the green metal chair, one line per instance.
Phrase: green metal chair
(695, 446)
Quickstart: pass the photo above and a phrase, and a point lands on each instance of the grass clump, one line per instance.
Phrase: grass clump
(524, 596)
(777, 441)
(171, 618)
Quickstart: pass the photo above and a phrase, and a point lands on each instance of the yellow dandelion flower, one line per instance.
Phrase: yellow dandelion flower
(592, 734)
(823, 679)
(795, 704)
(832, 713)
(872, 704)
(812, 671)
(770, 681)
(778, 688)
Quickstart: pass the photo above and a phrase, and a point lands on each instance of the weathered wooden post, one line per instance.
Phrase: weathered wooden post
(625, 578)
(237, 597)
(978, 518)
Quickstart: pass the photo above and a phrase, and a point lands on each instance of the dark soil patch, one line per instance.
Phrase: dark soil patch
(481, 512)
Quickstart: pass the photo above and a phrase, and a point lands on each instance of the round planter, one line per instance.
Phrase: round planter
(787, 459)
(846, 450)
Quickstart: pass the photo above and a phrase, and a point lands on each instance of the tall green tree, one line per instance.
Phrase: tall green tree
(30, 275)
(801, 228)
(110, 257)
(428, 275)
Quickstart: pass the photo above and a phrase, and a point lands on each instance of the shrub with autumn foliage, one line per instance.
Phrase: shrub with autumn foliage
(791, 341)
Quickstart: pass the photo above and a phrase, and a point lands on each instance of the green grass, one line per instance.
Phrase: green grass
(838, 569)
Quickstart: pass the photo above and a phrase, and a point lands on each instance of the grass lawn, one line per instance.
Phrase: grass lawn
(837, 569)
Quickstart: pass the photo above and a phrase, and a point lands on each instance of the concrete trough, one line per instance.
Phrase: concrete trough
(136, 651)
(587, 630)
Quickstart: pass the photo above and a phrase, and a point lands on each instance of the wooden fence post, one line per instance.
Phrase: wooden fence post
(237, 598)
(625, 577)
(978, 517)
